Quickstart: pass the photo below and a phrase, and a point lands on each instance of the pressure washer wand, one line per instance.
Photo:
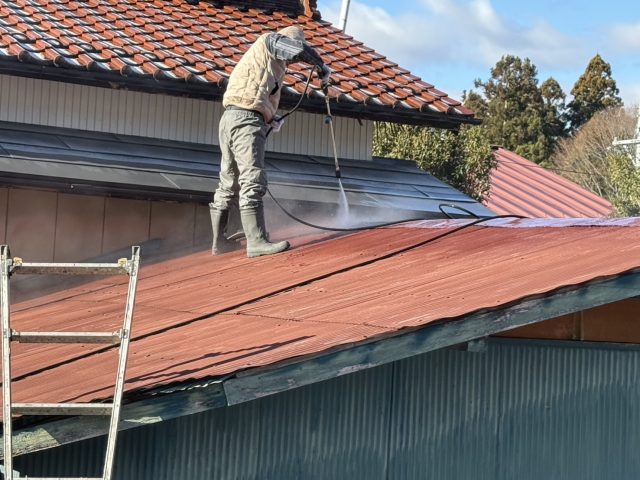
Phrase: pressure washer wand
(329, 120)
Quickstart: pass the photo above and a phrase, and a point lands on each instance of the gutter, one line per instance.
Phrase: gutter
(261, 382)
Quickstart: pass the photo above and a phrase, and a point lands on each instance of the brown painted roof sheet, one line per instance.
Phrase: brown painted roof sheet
(521, 187)
(172, 41)
(200, 317)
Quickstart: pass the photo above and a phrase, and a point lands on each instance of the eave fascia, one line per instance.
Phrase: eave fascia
(157, 408)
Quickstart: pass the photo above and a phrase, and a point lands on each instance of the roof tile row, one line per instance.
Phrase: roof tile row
(171, 40)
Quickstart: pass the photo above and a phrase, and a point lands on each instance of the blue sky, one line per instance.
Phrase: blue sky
(449, 43)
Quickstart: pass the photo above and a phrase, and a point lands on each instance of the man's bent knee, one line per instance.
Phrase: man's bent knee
(222, 199)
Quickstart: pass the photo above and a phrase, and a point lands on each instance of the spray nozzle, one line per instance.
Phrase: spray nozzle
(328, 119)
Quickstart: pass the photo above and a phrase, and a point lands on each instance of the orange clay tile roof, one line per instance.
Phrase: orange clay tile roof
(172, 46)
(521, 187)
(201, 317)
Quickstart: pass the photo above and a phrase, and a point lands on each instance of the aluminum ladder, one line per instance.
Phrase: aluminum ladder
(14, 266)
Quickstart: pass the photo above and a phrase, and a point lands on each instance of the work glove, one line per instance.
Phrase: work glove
(325, 76)
(276, 124)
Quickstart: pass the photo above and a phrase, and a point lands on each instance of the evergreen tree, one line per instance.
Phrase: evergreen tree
(463, 159)
(554, 110)
(595, 90)
(475, 102)
(625, 179)
(519, 115)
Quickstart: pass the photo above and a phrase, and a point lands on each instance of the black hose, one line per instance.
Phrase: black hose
(297, 105)
(379, 225)
(455, 207)
(336, 229)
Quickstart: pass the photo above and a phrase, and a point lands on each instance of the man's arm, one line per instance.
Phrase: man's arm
(290, 50)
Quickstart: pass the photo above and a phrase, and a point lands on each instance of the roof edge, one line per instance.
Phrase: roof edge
(158, 408)
(258, 383)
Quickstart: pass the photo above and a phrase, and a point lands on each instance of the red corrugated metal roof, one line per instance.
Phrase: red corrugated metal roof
(521, 187)
(200, 316)
(170, 40)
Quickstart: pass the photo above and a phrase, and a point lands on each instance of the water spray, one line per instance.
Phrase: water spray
(328, 120)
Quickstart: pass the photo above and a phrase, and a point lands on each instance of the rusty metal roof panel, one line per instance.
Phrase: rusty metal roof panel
(200, 317)
(521, 187)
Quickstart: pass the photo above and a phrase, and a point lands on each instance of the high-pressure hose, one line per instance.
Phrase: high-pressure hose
(297, 105)
(329, 121)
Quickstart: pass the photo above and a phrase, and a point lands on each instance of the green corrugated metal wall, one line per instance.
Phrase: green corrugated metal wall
(518, 410)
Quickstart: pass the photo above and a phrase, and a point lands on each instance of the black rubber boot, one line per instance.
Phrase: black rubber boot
(256, 233)
(219, 220)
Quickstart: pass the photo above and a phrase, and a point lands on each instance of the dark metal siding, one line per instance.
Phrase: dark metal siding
(98, 163)
(517, 410)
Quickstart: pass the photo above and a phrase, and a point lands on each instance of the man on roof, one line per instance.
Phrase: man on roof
(251, 101)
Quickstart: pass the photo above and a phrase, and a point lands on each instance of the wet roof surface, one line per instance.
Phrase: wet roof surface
(201, 317)
(92, 162)
(521, 187)
(195, 47)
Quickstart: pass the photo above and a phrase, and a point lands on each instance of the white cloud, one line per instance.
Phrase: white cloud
(626, 37)
(469, 32)
(376, 28)
(483, 14)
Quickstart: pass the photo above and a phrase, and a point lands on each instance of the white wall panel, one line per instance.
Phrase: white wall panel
(41, 102)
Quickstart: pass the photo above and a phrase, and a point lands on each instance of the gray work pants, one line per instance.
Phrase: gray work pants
(242, 137)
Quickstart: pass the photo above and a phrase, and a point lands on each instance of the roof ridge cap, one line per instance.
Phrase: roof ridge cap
(308, 8)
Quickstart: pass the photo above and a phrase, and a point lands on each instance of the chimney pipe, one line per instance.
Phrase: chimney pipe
(344, 13)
